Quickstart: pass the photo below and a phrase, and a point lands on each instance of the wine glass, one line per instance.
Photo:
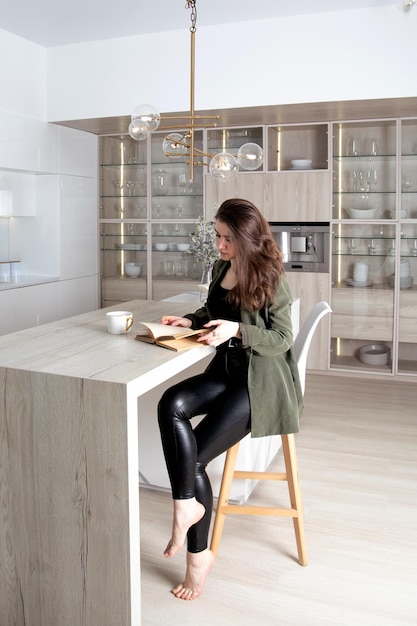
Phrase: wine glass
(182, 181)
(355, 184)
(353, 147)
(373, 247)
(406, 183)
(131, 187)
(353, 244)
(373, 147)
(375, 178)
(118, 187)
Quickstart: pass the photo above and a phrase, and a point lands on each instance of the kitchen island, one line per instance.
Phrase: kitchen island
(77, 429)
(69, 464)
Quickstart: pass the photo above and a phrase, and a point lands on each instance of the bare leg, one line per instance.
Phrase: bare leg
(186, 513)
(198, 566)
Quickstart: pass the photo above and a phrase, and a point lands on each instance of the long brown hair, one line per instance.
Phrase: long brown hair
(258, 257)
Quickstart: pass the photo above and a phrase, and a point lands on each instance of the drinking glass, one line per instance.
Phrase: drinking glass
(180, 269)
(353, 146)
(170, 268)
(375, 178)
(118, 187)
(131, 187)
(353, 244)
(391, 251)
(373, 147)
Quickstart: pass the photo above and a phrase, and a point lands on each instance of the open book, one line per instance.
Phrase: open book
(171, 337)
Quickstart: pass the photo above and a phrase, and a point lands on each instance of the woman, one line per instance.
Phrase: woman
(251, 385)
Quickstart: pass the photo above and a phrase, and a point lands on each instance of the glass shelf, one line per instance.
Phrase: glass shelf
(130, 165)
(170, 195)
(348, 192)
(388, 237)
(363, 157)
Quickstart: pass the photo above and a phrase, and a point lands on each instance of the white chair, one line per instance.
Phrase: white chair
(301, 347)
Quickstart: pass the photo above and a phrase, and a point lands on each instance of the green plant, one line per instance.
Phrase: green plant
(203, 242)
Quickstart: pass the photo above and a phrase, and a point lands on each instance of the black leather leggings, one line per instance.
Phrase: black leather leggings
(221, 393)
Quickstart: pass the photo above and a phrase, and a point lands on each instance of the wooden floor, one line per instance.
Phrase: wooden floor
(357, 451)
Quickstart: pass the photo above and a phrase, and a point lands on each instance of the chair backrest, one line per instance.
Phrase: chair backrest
(303, 339)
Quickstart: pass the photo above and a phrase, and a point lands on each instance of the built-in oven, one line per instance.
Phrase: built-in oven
(305, 246)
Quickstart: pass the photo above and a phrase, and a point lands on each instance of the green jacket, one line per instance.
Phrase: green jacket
(274, 386)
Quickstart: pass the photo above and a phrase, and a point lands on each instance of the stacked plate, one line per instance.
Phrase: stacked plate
(375, 354)
(406, 282)
(359, 283)
(301, 164)
(131, 246)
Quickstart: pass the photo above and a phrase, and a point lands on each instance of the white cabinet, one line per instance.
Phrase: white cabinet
(17, 194)
(48, 220)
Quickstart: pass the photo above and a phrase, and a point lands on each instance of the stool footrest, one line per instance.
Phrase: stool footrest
(237, 509)
(259, 475)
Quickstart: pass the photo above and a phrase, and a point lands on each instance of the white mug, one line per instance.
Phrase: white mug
(405, 268)
(119, 322)
(360, 272)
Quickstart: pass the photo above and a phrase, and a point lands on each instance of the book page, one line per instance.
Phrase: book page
(165, 330)
(180, 343)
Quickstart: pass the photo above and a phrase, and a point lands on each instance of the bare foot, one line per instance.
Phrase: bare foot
(198, 566)
(186, 513)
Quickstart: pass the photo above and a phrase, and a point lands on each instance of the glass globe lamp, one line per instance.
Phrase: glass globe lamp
(139, 132)
(148, 115)
(250, 156)
(173, 146)
(223, 166)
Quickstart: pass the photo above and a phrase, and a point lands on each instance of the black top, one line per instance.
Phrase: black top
(221, 307)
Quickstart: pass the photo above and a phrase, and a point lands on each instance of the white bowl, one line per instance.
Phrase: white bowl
(362, 214)
(133, 269)
(161, 247)
(375, 354)
(393, 214)
(183, 247)
(301, 164)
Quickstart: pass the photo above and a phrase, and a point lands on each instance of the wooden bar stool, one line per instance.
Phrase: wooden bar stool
(290, 476)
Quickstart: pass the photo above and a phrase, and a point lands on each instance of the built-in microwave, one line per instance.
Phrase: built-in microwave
(304, 245)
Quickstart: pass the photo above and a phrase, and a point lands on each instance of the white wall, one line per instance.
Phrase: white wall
(22, 76)
(52, 173)
(341, 55)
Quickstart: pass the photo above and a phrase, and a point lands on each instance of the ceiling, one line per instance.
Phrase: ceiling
(58, 22)
(51, 23)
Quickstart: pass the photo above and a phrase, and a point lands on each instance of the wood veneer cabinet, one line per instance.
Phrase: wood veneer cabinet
(312, 287)
(298, 196)
(281, 196)
(283, 192)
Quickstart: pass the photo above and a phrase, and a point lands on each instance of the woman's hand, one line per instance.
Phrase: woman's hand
(223, 330)
(174, 320)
